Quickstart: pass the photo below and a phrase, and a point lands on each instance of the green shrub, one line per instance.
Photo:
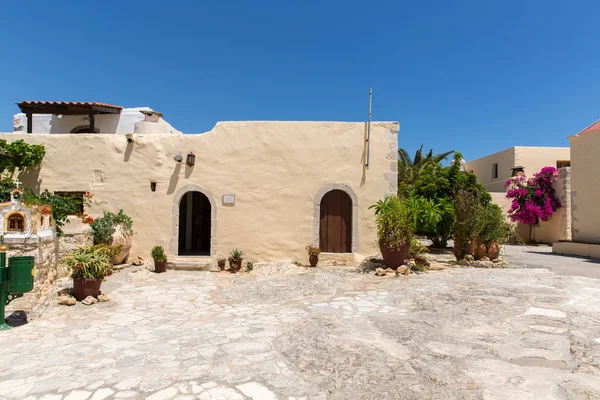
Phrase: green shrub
(158, 254)
(394, 226)
(417, 249)
(62, 206)
(105, 226)
(91, 262)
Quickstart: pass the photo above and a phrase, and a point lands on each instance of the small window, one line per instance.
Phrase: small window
(76, 196)
(16, 223)
(563, 163)
(494, 171)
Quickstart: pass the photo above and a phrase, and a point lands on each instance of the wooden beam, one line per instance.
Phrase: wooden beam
(106, 110)
(92, 123)
(29, 122)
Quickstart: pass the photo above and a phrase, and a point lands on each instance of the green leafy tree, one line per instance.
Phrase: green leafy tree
(439, 185)
(16, 156)
(410, 168)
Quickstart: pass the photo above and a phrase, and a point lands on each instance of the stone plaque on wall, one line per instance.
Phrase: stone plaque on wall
(228, 199)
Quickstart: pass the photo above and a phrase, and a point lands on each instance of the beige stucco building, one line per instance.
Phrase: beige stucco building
(267, 188)
(495, 169)
(585, 195)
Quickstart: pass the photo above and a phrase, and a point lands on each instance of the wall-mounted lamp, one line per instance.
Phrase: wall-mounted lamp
(129, 137)
(190, 159)
(178, 157)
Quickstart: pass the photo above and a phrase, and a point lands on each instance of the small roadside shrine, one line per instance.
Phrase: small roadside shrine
(20, 222)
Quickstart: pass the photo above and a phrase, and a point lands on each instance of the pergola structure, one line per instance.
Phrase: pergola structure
(90, 109)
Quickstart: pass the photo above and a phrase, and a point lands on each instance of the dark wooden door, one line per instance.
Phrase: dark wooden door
(194, 226)
(335, 232)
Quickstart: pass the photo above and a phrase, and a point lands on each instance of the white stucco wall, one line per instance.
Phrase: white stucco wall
(275, 169)
(127, 121)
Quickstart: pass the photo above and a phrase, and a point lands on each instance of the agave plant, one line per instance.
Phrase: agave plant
(236, 254)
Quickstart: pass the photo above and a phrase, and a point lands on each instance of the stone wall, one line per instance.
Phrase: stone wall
(47, 252)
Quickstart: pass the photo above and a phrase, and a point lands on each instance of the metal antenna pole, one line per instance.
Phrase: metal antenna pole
(369, 129)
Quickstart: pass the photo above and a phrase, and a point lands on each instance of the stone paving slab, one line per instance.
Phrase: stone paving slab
(325, 333)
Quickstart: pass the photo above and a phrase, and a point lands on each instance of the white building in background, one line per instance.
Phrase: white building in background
(44, 117)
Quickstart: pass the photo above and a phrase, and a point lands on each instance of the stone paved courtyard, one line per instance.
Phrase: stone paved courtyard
(327, 333)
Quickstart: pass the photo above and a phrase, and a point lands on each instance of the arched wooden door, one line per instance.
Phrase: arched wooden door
(335, 229)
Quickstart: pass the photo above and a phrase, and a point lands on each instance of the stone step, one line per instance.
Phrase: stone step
(193, 264)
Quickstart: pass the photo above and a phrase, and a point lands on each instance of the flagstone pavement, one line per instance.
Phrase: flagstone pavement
(324, 333)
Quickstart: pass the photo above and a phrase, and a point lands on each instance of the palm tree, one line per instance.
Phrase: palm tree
(409, 168)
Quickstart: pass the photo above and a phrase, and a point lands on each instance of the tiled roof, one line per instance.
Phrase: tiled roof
(68, 103)
(593, 127)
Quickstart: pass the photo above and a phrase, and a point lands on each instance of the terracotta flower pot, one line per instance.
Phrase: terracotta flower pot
(480, 250)
(119, 239)
(493, 251)
(313, 260)
(235, 265)
(83, 288)
(160, 266)
(221, 266)
(394, 257)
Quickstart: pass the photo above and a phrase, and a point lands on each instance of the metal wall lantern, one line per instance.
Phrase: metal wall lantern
(190, 159)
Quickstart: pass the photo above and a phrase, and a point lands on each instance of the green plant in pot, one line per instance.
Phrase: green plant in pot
(160, 259)
(235, 260)
(221, 263)
(88, 266)
(2, 245)
(494, 230)
(115, 229)
(313, 255)
(394, 230)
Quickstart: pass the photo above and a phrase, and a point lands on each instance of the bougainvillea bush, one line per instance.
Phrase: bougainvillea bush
(533, 198)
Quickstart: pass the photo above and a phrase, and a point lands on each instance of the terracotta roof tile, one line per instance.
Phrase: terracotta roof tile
(593, 127)
(68, 103)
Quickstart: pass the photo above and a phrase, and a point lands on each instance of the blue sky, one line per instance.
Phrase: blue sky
(475, 76)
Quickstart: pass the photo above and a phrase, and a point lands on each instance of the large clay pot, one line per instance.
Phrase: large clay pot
(313, 260)
(493, 251)
(160, 266)
(394, 257)
(480, 250)
(235, 265)
(83, 288)
(119, 239)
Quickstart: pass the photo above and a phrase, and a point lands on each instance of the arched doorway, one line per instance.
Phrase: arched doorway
(335, 224)
(194, 224)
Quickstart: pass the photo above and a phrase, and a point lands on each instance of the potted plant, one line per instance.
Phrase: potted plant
(160, 259)
(89, 266)
(494, 231)
(2, 245)
(235, 260)
(249, 266)
(417, 251)
(394, 230)
(114, 229)
(221, 263)
(313, 255)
